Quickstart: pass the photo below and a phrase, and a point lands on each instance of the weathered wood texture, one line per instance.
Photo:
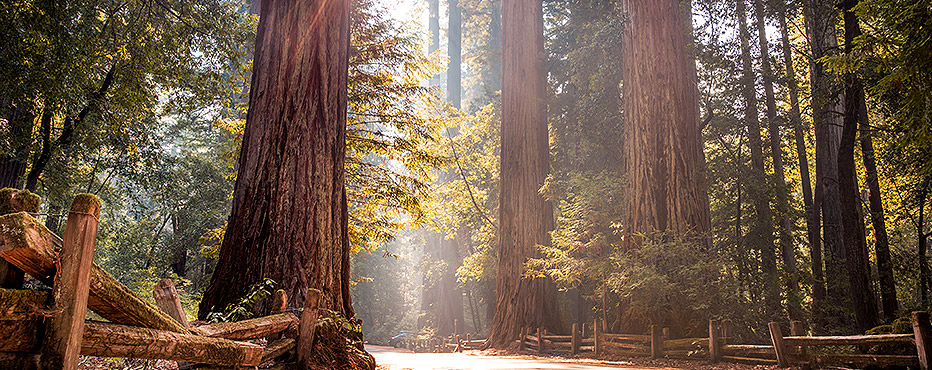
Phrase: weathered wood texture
(277, 348)
(113, 340)
(853, 340)
(305, 342)
(715, 347)
(525, 216)
(166, 297)
(656, 341)
(30, 246)
(248, 329)
(922, 330)
(19, 319)
(61, 347)
(12, 201)
(779, 348)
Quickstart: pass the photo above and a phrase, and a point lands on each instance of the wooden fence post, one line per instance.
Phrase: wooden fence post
(715, 345)
(776, 337)
(574, 342)
(305, 344)
(540, 340)
(921, 329)
(666, 333)
(521, 337)
(797, 330)
(656, 342)
(166, 297)
(12, 201)
(279, 301)
(61, 347)
(726, 330)
(582, 330)
(459, 343)
(596, 346)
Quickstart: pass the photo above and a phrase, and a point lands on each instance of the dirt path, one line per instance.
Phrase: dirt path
(395, 359)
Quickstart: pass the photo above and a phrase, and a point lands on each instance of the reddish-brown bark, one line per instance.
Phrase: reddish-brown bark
(289, 217)
(526, 218)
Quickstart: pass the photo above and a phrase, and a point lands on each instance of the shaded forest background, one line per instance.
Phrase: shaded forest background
(816, 128)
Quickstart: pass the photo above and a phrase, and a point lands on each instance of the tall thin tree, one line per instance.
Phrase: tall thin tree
(525, 217)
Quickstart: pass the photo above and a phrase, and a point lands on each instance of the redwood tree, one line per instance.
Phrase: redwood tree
(667, 188)
(526, 218)
(289, 216)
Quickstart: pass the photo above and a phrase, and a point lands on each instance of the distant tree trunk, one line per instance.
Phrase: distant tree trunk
(762, 230)
(856, 258)
(433, 26)
(495, 34)
(525, 217)
(923, 247)
(812, 212)
(826, 103)
(455, 49)
(19, 122)
(451, 295)
(180, 254)
(289, 216)
(430, 284)
(793, 304)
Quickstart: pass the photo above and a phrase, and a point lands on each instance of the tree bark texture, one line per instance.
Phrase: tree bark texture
(856, 256)
(525, 217)
(666, 190)
(289, 216)
(762, 231)
(827, 103)
(782, 204)
(812, 213)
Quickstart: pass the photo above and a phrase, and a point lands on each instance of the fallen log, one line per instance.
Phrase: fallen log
(114, 340)
(248, 329)
(277, 348)
(19, 319)
(30, 246)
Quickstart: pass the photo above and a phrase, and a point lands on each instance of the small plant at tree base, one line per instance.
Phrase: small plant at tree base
(245, 307)
(338, 343)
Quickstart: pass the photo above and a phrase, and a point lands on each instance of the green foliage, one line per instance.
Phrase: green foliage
(244, 308)
(390, 129)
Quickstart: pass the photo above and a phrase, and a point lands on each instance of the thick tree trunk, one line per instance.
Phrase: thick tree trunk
(762, 230)
(430, 286)
(666, 191)
(788, 252)
(289, 216)
(826, 103)
(812, 213)
(455, 49)
(856, 258)
(450, 294)
(526, 218)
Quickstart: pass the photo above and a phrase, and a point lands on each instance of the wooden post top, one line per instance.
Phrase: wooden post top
(86, 203)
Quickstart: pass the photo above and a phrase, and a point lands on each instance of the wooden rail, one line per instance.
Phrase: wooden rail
(48, 330)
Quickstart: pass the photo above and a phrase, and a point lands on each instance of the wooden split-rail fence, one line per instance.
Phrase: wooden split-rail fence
(794, 350)
(451, 343)
(49, 330)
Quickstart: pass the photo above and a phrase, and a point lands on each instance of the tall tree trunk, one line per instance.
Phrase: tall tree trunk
(430, 286)
(495, 44)
(923, 247)
(826, 103)
(525, 217)
(433, 26)
(666, 191)
(812, 213)
(793, 300)
(762, 231)
(455, 49)
(856, 258)
(289, 216)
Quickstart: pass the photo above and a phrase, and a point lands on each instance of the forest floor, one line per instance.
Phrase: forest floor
(388, 358)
